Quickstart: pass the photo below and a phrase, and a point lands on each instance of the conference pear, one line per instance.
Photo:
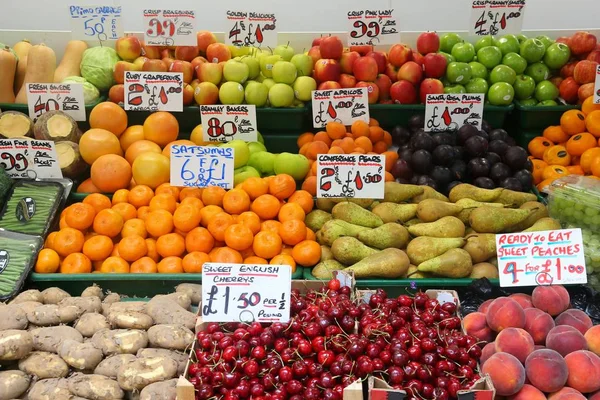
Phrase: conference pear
(388, 263)
(337, 228)
(325, 204)
(496, 220)
(399, 192)
(465, 190)
(349, 250)
(429, 193)
(316, 219)
(515, 199)
(430, 210)
(424, 248)
(455, 263)
(355, 214)
(481, 246)
(544, 224)
(387, 235)
(445, 227)
(392, 212)
(324, 269)
(540, 211)
(484, 270)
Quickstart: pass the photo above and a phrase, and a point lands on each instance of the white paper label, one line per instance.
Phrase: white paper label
(359, 176)
(249, 28)
(340, 105)
(448, 112)
(496, 17)
(223, 123)
(597, 86)
(170, 28)
(372, 27)
(67, 97)
(153, 91)
(96, 22)
(29, 159)
(198, 166)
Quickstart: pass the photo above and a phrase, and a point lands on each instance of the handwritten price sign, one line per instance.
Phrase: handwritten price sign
(29, 159)
(246, 293)
(541, 258)
(340, 105)
(198, 166)
(101, 22)
(149, 91)
(67, 97)
(356, 176)
(597, 86)
(372, 27)
(223, 123)
(255, 29)
(496, 17)
(170, 27)
(448, 112)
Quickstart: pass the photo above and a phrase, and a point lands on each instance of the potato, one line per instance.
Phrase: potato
(179, 357)
(193, 290)
(28, 295)
(112, 298)
(13, 384)
(49, 339)
(140, 373)
(50, 389)
(53, 314)
(180, 298)
(54, 295)
(166, 311)
(83, 356)
(137, 306)
(95, 387)
(109, 366)
(166, 390)
(12, 317)
(15, 344)
(85, 304)
(44, 365)
(93, 291)
(27, 306)
(120, 341)
(91, 323)
(130, 320)
(173, 337)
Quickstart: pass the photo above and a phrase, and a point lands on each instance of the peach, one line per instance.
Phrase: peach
(575, 318)
(515, 341)
(584, 371)
(538, 347)
(552, 299)
(487, 351)
(506, 373)
(483, 307)
(592, 337)
(503, 313)
(546, 370)
(476, 326)
(538, 324)
(566, 393)
(595, 396)
(523, 299)
(565, 339)
(528, 392)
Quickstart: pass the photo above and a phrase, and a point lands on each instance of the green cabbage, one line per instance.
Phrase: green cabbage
(90, 92)
(97, 66)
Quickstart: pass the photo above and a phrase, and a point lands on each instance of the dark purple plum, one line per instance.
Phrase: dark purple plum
(515, 157)
(485, 126)
(512, 184)
(421, 162)
(465, 132)
(459, 152)
(493, 158)
(498, 146)
(422, 141)
(427, 181)
(526, 179)
(484, 182)
(443, 138)
(400, 135)
(511, 141)
(528, 165)
(484, 135)
(405, 154)
(500, 172)
(459, 167)
(443, 155)
(415, 179)
(416, 121)
(442, 176)
(401, 169)
(476, 146)
(478, 167)
(451, 185)
(403, 181)
(498, 134)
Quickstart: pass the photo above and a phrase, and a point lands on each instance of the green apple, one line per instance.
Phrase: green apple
(253, 66)
(263, 162)
(285, 51)
(489, 56)
(259, 138)
(521, 38)
(546, 90)
(256, 93)
(478, 70)
(532, 50)
(515, 61)
(241, 152)
(255, 147)
(524, 87)
(503, 73)
(284, 72)
(528, 102)
(267, 63)
(298, 103)
(484, 42)
(545, 40)
(448, 40)
(449, 57)
(463, 52)
(295, 165)
(303, 87)
(236, 71)
(458, 72)
(507, 44)
(281, 95)
(538, 71)
(548, 103)
(303, 63)
(454, 89)
(501, 94)
(477, 85)
(557, 55)
(239, 51)
(231, 93)
(243, 173)
(268, 82)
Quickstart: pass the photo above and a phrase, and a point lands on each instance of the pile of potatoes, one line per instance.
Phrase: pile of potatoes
(57, 347)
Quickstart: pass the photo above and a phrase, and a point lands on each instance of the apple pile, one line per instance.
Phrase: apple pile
(576, 81)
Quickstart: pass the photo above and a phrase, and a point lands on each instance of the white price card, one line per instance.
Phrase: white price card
(198, 166)
(359, 176)
(67, 97)
(496, 17)
(222, 123)
(153, 91)
(29, 159)
(340, 105)
(541, 258)
(372, 27)
(597, 86)
(249, 28)
(246, 293)
(448, 112)
(170, 28)
(96, 22)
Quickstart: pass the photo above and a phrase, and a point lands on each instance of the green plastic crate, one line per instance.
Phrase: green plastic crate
(538, 118)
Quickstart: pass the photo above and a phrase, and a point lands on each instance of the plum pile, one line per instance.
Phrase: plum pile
(487, 158)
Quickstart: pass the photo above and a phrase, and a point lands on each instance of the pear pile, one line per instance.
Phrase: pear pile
(416, 232)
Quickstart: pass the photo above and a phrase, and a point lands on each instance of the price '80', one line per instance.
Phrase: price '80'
(216, 129)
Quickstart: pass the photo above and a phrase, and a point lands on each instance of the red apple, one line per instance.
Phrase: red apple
(384, 83)
(205, 39)
(167, 53)
(418, 58)
(594, 56)
(195, 83)
(430, 86)
(582, 42)
(183, 67)
(428, 42)
(331, 47)
(120, 68)
(116, 94)
(188, 94)
(410, 71)
(154, 66)
(347, 81)
(381, 59)
(128, 48)
(365, 69)
(567, 69)
(210, 72)
(217, 52)
(568, 90)
(317, 41)
(556, 80)
(315, 54)
(139, 63)
(399, 54)
(206, 93)
(403, 92)
(186, 53)
(168, 61)
(347, 60)
(585, 91)
(392, 72)
(434, 65)
(328, 85)
(585, 72)
(372, 91)
(327, 70)
(151, 51)
(363, 50)
(563, 40)
(197, 61)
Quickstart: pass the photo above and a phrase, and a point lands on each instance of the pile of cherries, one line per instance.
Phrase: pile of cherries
(333, 339)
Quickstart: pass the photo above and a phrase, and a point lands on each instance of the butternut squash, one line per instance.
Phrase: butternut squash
(41, 64)
(69, 65)
(22, 49)
(8, 68)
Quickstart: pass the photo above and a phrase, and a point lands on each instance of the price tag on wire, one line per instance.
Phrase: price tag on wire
(372, 27)
(170, 28)
(199, 166)
(153, 91)
(597, 86)
(248, 28)
(67, 97)
(341, 105)
(448, 112)
(496, 17)
(541, 258)
(246, 293)
(358, 176)
(223, 123)
(29, 159)
(96, 22)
